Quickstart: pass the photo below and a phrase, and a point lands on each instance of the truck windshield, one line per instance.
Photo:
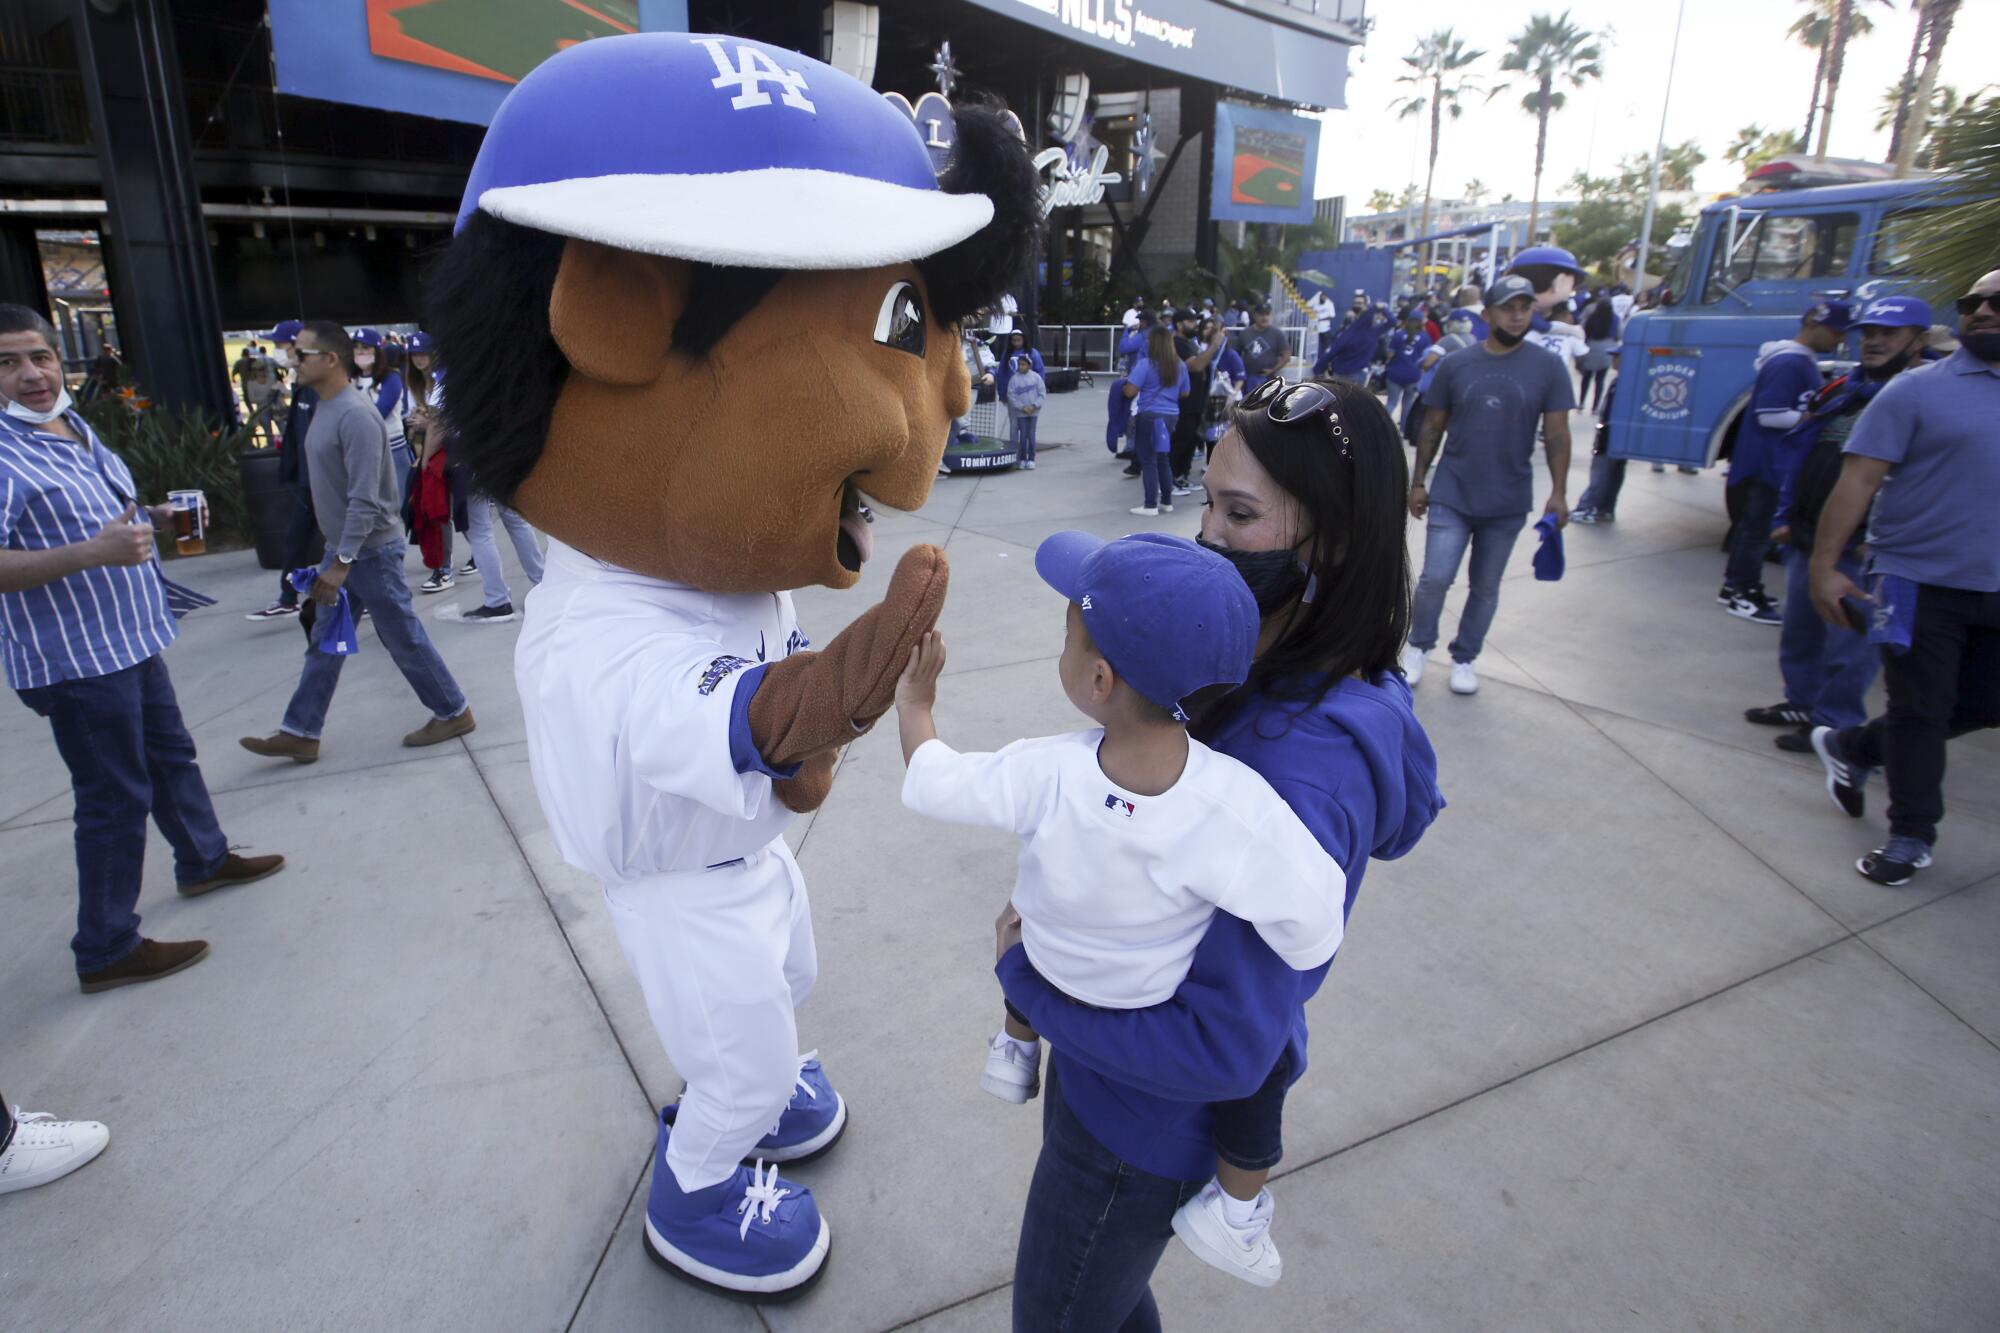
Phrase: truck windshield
(1780, 247)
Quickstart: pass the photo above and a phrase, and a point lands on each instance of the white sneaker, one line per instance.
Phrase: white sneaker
(45, 1149)
(1413, 665)
(1249, 1253)
(1013, 1071)
(1143, 512)
(1464, 680)
(1166, 508)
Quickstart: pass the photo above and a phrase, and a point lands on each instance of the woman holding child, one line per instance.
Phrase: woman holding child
(1305, 498)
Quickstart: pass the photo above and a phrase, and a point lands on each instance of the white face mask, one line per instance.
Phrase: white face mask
(364, 363)
(21, 411)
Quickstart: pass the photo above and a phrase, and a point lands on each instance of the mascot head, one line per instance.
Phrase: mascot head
(1554, 272)
(705, 293)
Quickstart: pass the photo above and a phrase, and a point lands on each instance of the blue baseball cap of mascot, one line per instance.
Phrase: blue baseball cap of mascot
(701, 299)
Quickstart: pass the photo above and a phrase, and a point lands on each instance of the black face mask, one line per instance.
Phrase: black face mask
(1891, 368)
(1275, 577)
(1504, 338)
(1985, 346)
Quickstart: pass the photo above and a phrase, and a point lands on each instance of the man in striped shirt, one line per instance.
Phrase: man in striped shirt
(83, 621)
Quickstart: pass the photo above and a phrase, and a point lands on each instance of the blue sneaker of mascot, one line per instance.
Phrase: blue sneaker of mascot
(703, 297)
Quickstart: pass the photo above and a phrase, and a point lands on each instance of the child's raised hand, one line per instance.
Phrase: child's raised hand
(918, 685)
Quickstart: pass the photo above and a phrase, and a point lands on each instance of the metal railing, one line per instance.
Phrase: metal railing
(1094, 347)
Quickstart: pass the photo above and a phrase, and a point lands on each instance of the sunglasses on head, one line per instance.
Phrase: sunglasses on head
(1288, 403)
(1969, 305)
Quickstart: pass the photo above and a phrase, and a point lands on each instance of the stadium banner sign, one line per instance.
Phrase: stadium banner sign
(447, 59)
(1202, 39)
(1264, 162)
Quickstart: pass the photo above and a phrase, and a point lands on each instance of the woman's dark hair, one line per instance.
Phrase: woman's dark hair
(1160, 351)
(1359, 614)
(487, 300)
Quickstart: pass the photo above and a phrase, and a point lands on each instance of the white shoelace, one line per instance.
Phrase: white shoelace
(33, 1128)
(802, 1085)
(760, 1196)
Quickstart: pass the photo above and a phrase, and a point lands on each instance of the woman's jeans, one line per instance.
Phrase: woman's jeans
(375, 584)
(1024, 436)
(1092, 1233)
(1826, 670)
(1152, 450)
(1593, 380)
(1446, 537)
(406, 470)
(486, 552)
(1399, 395)
(129, 755)
(1607, 478)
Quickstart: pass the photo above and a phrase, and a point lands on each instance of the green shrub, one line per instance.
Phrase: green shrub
(178, 450)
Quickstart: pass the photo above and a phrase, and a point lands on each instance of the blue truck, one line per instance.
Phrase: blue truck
(1752, 268)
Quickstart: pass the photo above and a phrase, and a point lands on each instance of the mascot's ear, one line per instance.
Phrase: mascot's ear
(613, 311)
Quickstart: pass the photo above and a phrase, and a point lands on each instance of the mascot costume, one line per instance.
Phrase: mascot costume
(1556, 277)
(703, 297)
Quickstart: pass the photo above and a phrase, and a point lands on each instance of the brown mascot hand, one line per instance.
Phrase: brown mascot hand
(807, 790)
(812, 703)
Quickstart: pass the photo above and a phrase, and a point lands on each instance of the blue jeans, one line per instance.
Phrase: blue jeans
(375, 583)
(1399, 396)
(1092, 1233)
(1152, 444)
(1826, 670)
(1024, 436)
(129, 755)
(1607, 478)
(405, 462)
(1447, 535)
(486, 552)
(1751, 537)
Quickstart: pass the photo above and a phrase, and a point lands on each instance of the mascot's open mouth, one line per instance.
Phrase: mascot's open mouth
(856, 542)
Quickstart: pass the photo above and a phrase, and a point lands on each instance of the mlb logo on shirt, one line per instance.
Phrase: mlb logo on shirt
(1120, 805)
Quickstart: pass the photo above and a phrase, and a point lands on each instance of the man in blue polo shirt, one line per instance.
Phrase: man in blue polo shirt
(1923, 453)
(83, 621)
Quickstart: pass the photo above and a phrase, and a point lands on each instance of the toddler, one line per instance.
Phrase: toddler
(1133, 833)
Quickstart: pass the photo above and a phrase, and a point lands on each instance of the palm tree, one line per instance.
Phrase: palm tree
(1383, 201)
(1475, 190)
(1934, 24)
(1754, 145)
(1436, 74)
(1550, 51)
(1952, 246)
(1846, 24)
(1814, 29)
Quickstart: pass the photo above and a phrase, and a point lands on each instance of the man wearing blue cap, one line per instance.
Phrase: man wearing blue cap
(1922, 471)
(1827, 669)
(1788, 375)
(1134, 834)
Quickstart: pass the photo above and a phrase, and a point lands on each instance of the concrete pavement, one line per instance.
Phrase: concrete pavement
(1625, 1043)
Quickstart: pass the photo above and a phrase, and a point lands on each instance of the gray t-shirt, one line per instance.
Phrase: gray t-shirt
(357, 497)
(1933, 518)
(1261, 349)
(1486, 469)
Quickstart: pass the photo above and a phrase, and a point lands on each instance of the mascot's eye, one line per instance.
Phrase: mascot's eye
(901, 322)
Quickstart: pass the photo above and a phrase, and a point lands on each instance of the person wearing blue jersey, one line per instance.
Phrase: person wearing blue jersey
(1156, 384)
(1788, 376)
(1305, 497)
(84, 619)
(1407, 346)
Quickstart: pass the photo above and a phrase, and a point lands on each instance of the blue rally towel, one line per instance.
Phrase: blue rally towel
(1118, 413)
(1894, 615)
(1549, 555)
(333, 633)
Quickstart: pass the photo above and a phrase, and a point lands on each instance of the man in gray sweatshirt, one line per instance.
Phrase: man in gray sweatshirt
(357, 500)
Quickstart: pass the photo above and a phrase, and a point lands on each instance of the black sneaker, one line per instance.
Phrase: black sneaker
(1896, 862)
(1844, 779)
(275, 611)
(1131, 472)
(1779, 715)
(439, 580)
(1726, 597)
(1755, 605)
(470, 566)
(490, 615)
(1794, 742)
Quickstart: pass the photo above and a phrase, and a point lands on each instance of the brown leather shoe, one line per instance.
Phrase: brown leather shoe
(235, 870)
(440, 729)
(149, 962)
(282, 745)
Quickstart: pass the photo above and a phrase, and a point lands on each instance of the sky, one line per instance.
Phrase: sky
(1736, 67)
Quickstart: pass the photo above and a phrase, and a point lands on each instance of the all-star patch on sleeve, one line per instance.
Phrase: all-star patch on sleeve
(718, 669)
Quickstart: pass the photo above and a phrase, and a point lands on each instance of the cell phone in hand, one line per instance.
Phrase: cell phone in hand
(1857, 617)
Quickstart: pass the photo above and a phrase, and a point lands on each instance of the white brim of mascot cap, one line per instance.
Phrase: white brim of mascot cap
(771, 217)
